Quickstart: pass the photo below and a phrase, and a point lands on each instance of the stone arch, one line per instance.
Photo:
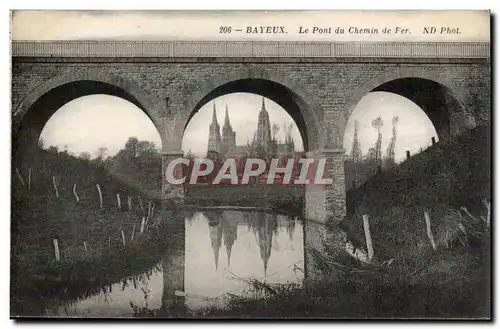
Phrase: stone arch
(307, 108)
(447, 123)
(66, 87)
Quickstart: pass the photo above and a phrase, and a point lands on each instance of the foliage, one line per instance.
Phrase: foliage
(38, 216)
(417, 283)
(441, 181)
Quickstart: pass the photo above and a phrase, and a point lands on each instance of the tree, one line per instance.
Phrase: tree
(146, 149)
(190, 155)
(85, 156)
(377, 124)
(390, 161)
(53, 149)
(39, 144)
(356, 153)
(100, 154)
(131, 147)
(139, 161)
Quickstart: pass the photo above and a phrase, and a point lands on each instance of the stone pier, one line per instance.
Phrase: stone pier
(324, 203)
(321, 240)
(173, 264)
(171, 192)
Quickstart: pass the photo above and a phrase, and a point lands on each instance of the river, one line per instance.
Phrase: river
(219, 252)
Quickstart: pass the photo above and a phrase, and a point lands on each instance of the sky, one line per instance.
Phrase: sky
(90, 122)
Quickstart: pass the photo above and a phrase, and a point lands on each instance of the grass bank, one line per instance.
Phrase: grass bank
(448, 283)
(450, 181)
(93, 238)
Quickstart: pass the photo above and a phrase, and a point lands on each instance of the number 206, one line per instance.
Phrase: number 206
(225, 29)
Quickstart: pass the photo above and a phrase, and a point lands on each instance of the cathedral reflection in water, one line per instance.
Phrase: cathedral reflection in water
(216, 254)
(223, 248)
(223, 227)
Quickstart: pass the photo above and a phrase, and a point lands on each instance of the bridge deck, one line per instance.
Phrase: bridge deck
(91, 49)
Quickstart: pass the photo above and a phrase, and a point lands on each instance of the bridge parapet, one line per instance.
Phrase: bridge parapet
(89, 49)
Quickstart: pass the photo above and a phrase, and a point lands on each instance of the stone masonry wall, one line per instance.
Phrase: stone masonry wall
(333, 87)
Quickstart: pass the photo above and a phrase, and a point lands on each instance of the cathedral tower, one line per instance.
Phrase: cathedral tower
(214, 138)
(228, 136)
(263, 136)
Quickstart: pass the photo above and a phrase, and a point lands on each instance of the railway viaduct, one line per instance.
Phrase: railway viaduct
(317, 83)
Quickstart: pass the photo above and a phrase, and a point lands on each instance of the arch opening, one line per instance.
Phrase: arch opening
(448, 115)
(283, 96)
(396, 118)
(89, 123)
(102, 129)
(28, 126)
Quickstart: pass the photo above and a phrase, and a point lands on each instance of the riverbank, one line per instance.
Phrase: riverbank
(434, 267)
(371, 294)
(451, 283)
(450, 182)
(72, 225)
(268, 196)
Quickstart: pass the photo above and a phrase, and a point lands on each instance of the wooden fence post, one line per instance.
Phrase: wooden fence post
(429, 230)
(76, 195)
(119, 201)
(20, 177)
(142, 224)
(140, 203)
(368, 237)
(100, 194)
(85, 245)
(56, 250)
(133, 233)
(123, 238)
(488, 207)
(55, 186)
(29, 178)
(129, 200)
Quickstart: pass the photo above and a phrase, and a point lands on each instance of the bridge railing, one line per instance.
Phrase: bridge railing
(70, 48)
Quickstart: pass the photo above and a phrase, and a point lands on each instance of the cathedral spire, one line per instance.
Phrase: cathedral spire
(214, 116)
(229, 247)
(228, 135)
(215, 231)
(215, 237)
(265, 267)
(226, 121)
(214, 137)
(262, 143)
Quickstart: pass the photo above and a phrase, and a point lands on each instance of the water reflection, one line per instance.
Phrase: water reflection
(242, 245)
(115, 300)
(218, 251)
